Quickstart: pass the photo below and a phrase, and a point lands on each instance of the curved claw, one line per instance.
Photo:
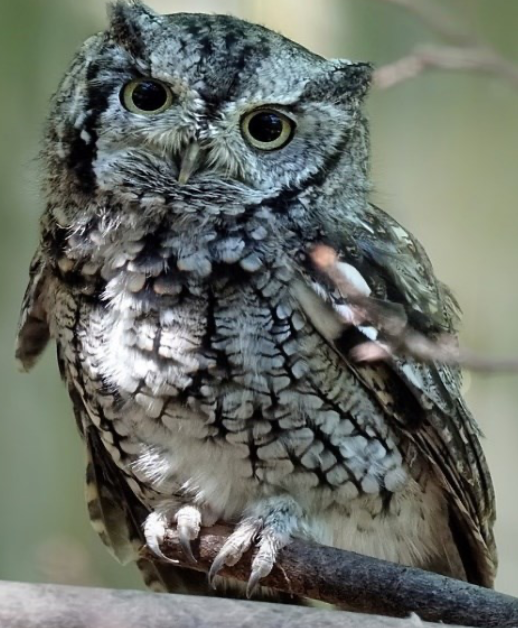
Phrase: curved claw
(188, 522)
(158, 552)
(262, 566)
(235, 546)
(253, 582)
(225, 558)
(185, 542)
(215, 568)
(154, 531)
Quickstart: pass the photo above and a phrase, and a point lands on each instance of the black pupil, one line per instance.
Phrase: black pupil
(149, 96)
(265, 127)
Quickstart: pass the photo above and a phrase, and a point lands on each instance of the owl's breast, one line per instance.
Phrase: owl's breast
(219, 349)
(211, 379)
(225, 390)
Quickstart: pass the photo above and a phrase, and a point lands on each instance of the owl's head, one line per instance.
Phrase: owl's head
(191, 101)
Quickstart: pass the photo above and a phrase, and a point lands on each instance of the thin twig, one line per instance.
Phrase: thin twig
(438, 20)
(464, 52)
(473, 59)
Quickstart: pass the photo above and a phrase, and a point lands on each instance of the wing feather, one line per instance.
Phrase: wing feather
(33, 329)
(395, 267)
(118, 517)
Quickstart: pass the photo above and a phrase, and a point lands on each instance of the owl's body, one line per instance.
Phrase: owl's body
(206, 355)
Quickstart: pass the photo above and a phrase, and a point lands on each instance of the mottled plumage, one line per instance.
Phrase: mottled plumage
(207, 357)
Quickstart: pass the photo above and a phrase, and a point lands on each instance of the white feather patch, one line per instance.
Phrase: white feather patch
(354, 278)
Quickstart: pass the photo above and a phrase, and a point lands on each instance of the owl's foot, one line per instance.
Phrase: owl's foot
(269, 523)
(188, 520)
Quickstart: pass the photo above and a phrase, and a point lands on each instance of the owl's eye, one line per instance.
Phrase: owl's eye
(146, 96)
(266, 129)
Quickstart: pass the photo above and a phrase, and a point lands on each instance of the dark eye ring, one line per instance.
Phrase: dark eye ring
(146, 96)
(267, 129)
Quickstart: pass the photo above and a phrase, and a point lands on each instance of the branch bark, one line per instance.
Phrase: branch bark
(52, 606)
(361, 583)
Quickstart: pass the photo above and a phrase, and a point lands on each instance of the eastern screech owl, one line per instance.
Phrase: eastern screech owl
(193, 162)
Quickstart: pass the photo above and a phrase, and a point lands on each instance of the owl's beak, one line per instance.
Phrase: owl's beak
(190, 162)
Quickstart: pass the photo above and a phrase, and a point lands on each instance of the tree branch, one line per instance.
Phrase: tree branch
(361, 583)
(432, 15)
(474, 59)
(52, 606)
(464, 52)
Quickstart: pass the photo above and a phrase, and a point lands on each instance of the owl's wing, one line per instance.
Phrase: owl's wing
(33, 330)
(424, 400)
(115, 512)
(118, 517)
(449, 437)
(102, 489)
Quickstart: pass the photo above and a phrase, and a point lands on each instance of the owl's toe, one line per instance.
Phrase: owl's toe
(155, 528)
(272, 522)
(270, 543)
(188, 521)
(235, 546)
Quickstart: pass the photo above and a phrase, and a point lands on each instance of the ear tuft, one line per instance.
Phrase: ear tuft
(128, 19)
(342, 81)
(354, 77)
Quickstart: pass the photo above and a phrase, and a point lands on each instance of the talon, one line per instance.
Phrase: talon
(261, 567)
(185, 543)
(155, 548)
(235, 546)
(271, 524)
(253, 582)
(215, 568)
(188, 520)
(154, 531)
(158, 552)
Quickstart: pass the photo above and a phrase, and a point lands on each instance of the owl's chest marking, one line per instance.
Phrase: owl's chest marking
(208, 381)
(227, 396)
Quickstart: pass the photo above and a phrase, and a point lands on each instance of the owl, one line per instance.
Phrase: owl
(193, 164)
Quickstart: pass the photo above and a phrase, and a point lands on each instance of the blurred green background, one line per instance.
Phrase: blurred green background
(445, 163)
